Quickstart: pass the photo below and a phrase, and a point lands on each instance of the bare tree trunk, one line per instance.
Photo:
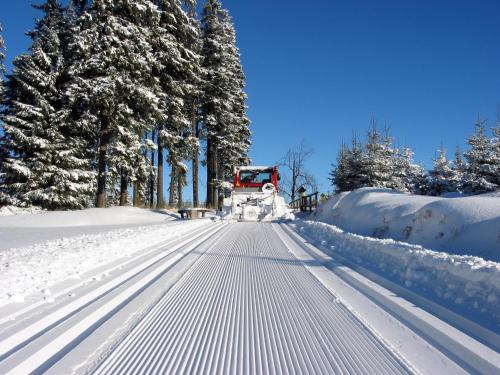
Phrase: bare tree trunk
(220, 191)
(152, 174)
(135, 198)
(211, 174)
(160, 202)
(123, 189)
(101, 164)
(181, 176)
(171, 197)
(294, 180)
(196, 203)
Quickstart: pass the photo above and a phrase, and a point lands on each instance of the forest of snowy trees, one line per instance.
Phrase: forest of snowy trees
(377, 163)
(109, 91)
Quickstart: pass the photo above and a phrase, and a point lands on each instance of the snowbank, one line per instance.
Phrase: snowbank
(458, 225)
(467, 284)
(34, 270)
(13, 210)
(89, 217)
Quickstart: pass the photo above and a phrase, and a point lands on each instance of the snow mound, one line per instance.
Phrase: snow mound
(89, 217)
(459, 225)
(13, 210)
(35, 270)
(466, 284)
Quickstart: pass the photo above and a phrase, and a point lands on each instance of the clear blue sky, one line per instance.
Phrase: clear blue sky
(320, 70)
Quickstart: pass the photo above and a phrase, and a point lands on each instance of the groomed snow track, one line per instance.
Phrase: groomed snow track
(239, 298)
(248, 306)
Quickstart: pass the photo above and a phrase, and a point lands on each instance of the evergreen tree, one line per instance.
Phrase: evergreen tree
(357, 175)
(459, 169)
(378, 159)
(481, 172)
(44, 167)
(2, 67)
(496, 154)
(442, 175)
(408, 176)
(339, 176)
(420, 180)
(349, 173)
(113, 91)
(3, 151)
(178, 67)
(223, 102)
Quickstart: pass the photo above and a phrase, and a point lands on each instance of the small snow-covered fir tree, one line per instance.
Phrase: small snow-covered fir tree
(379, 159)
(442, 175)
(339, 176)
(420, 180)
(459, 168)
(496, 154)
(225, 122)
(357, 173)
(408, 176)
(44, 167)
(113, 90)
(349, 173)
(481, 171)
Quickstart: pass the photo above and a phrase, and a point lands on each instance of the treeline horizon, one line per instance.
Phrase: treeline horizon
(378, 163)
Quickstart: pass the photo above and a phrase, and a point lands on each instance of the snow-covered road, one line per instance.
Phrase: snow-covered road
(239, 298)
(248, 306)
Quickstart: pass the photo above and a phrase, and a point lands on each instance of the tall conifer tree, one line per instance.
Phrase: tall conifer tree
(223, 103)
(43, 167)
(480, 173)
(113, 87)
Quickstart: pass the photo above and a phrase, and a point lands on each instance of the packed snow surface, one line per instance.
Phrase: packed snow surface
(457, 225)
(248, 306)
(217, 297)
(34, 270)
(465, 284)
(89, 217)
(26, 227)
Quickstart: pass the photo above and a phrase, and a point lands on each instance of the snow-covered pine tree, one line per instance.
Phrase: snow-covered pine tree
(480, 175)
(496, 154)
(442, 174)
(235, 140)
(459, 169)
(408, 176)
(378, 159)
(349, 173)
(223, 103)
(2, 67)
(3, 151)
(177, 51)
(43, 168)
(339, 176)
(357, 174)
(113, 90)
(420, 180)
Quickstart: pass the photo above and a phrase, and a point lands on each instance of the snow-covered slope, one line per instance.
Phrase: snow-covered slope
(459, 225)
(28, 227)
(92, 216)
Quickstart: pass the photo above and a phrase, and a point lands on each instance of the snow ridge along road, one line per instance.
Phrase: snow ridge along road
(248, 306)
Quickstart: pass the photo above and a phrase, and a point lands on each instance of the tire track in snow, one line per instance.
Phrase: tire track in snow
(248, 306)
